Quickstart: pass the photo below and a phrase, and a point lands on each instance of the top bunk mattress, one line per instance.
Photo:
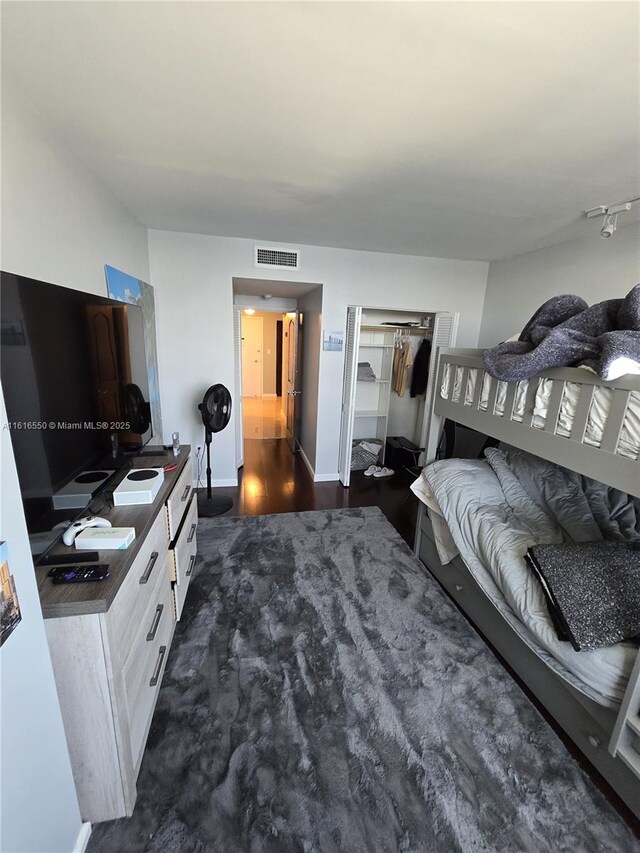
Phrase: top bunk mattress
(628, 442)
(493, 515)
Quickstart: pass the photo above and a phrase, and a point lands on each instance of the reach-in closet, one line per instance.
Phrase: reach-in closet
(389, 375)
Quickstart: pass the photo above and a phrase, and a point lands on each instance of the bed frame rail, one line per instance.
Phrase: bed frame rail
(602, 463)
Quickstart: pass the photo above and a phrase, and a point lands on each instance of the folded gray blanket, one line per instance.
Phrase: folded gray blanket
(592, 591)
(365, 372)
(566, 332)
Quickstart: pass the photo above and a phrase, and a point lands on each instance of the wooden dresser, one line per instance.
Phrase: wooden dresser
(109, 640)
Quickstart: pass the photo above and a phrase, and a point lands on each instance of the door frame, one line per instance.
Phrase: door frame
(237, 370)
(294, 396)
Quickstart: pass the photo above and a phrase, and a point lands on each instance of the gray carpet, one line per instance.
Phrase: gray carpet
(322, 694)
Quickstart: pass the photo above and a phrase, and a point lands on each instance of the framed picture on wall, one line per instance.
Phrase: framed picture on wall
(10, 614)
(332, 341)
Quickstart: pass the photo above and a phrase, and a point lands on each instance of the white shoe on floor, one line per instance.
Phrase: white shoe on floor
(383, 472)
(371, 470)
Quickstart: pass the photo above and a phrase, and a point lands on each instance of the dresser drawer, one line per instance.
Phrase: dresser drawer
(129, 605)
(182, 557)
(185, 546)
(144, 666)
(179, 499)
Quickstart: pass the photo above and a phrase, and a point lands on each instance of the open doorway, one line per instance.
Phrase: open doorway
(263, 413)
(277, 373)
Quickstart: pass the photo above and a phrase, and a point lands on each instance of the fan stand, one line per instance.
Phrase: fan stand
(210, 505)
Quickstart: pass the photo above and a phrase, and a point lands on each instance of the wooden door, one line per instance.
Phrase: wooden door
(294, 332)
(252, 356)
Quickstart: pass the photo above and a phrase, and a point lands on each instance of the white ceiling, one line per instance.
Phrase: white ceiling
(463, 130)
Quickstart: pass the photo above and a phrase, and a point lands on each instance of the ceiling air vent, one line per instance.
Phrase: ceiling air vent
(279, 259)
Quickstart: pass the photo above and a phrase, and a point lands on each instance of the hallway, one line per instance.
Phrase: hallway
(275, 480)
(262, 418)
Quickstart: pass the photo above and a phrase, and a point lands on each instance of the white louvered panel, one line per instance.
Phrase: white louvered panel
(445, 329)
(351, 344)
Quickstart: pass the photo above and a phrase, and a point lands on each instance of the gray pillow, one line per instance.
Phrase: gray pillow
(592, 590)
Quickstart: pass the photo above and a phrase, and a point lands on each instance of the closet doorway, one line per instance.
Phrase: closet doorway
(389, 382)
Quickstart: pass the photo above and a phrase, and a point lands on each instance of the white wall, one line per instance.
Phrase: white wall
(193, 275)
(38, 804)
(61, 225)
(594, 268)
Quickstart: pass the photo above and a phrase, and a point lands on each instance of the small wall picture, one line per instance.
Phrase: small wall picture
(9, 607)
(332, 341)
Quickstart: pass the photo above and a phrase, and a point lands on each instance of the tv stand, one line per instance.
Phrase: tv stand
(109, 641)
(136, 452)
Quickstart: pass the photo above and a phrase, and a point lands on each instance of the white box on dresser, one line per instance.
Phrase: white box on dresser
(109, 646)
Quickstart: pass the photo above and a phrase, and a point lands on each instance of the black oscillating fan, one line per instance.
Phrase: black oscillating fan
(215, 410)
(138, 410)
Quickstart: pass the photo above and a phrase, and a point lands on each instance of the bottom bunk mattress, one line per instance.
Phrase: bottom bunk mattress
(491, 512)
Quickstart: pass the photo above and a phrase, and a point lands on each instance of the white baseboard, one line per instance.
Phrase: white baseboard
(326, 478)
(307, 463)
(83, 838)
(214, 483)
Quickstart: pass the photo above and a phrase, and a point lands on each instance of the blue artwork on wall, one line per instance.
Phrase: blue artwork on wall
(126, 288)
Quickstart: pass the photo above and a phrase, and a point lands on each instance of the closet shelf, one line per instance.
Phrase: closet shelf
(374, 381)
(376, 346)
(368, 413)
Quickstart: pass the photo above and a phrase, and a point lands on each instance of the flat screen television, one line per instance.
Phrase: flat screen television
(75, 383)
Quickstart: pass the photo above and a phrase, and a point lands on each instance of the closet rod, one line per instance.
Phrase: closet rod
(409, 329)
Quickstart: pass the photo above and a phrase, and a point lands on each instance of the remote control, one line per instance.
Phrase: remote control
(64, 559)
(79, 574)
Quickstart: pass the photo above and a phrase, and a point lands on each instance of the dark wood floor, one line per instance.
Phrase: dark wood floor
(275, 480)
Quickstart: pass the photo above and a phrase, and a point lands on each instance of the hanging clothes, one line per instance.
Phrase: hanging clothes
(420, 374)
(402, 361)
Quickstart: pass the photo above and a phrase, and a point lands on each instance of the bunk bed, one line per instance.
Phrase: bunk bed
(572, 418)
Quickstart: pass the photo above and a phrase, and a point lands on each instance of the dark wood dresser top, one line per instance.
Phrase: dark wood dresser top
(78, 599)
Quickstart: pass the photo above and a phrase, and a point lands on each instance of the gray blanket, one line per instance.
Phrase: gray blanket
(583, 509)
(591, 581)
(566, 332)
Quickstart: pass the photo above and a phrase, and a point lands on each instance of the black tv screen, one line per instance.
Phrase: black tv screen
(75, 382)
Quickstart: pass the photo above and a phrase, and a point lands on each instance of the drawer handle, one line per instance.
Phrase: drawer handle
(147, 572)
(156, 672)
(185, 494)
(192, 532)
(192, 560)
(156, 621)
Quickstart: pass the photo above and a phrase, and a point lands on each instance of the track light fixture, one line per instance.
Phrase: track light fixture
(610, 213)
(610, 225)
